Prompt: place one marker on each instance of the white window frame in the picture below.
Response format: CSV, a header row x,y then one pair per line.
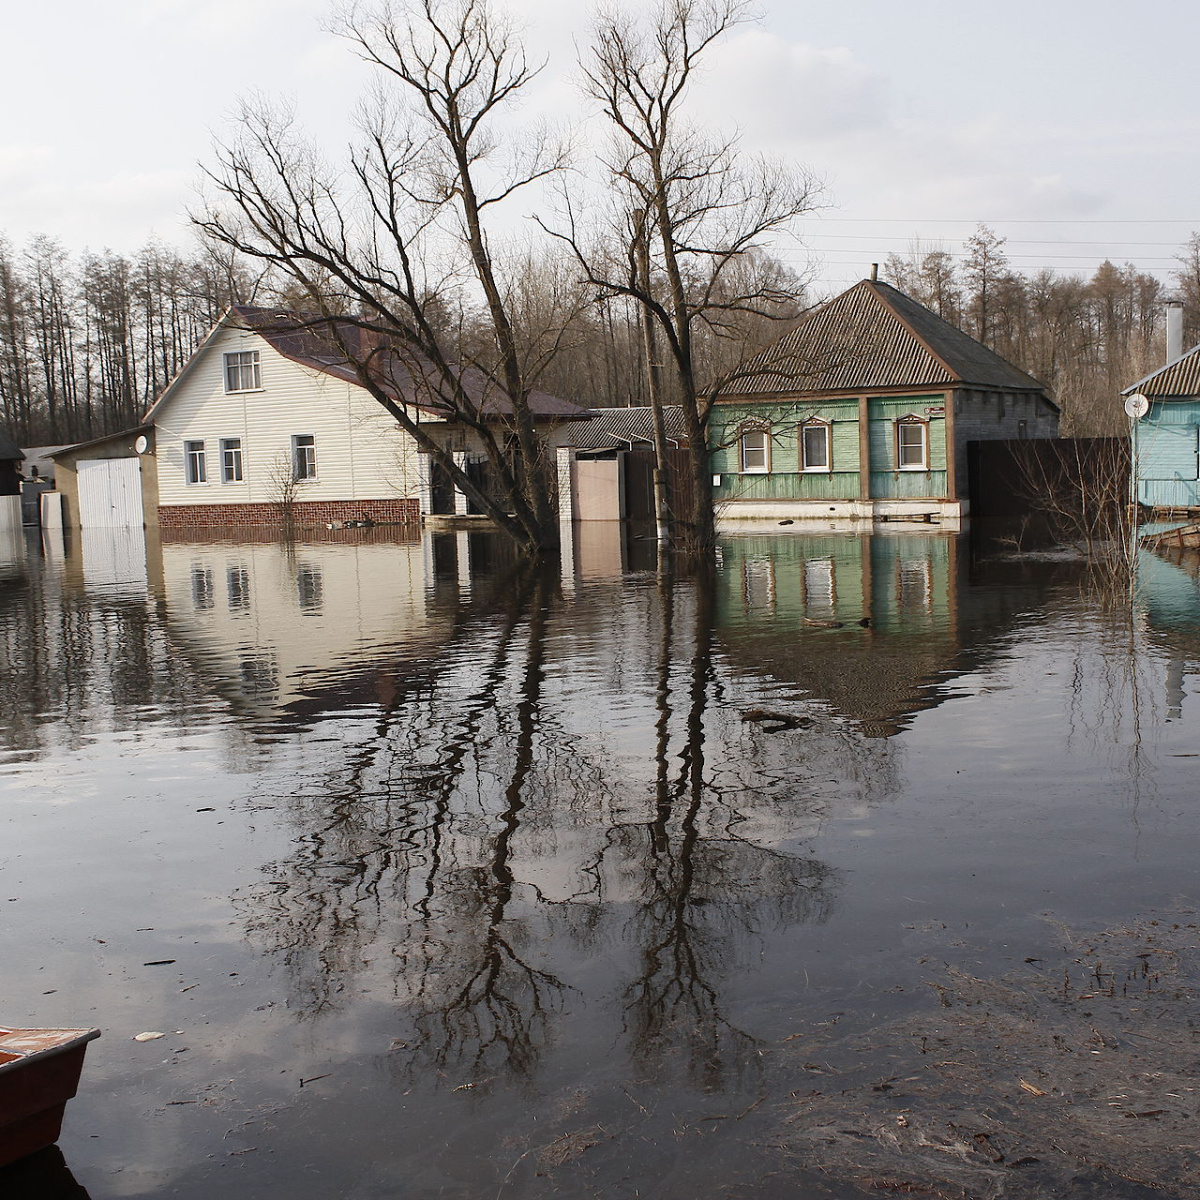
x,y
827,429
744,451
304,457
912,422
243,371
232,463
195,463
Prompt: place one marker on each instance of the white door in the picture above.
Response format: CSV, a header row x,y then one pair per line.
x,y
110,494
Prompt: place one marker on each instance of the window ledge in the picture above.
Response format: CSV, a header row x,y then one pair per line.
x,y
242,391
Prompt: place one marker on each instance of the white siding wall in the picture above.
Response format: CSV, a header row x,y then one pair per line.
x,y
361,455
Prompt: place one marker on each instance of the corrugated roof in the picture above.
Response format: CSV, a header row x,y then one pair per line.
x,y
404,375
874,337
619,427
1180,379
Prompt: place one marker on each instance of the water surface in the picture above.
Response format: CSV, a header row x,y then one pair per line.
x,y
447,877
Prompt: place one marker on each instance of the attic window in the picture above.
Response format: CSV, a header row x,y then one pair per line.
x,y
242,371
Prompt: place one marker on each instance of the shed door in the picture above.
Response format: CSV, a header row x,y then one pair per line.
x,y
110,494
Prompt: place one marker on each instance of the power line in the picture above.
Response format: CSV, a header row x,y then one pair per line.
x,y
1026,257
896,237
1192,221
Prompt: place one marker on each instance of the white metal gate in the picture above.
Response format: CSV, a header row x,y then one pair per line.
x,y
110,493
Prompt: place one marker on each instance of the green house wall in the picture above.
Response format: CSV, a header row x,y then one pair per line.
x,y
786,481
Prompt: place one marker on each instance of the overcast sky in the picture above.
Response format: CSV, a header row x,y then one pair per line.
x,y
1068,126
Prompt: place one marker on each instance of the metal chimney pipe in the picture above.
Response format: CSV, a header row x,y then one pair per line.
x,y
1174,331
874,272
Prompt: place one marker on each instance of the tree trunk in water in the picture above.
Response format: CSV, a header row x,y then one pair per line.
x,y
701,534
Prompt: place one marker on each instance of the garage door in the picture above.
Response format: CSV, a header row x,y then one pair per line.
x,y
110,494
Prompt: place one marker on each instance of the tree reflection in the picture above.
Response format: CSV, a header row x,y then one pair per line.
x,y
704,891
484,829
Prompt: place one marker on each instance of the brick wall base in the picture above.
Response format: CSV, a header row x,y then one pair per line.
x,y
311,514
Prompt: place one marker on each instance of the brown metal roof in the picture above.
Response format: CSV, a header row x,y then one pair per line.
x,y
404,375
874,337
621,427
1179,380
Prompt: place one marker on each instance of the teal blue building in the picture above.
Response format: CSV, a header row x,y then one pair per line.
x,y
1166,441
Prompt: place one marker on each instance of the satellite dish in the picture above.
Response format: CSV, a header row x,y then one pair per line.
x,y
1137,406
142,445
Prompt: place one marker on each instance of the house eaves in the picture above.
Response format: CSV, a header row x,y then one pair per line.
x,y
1179,380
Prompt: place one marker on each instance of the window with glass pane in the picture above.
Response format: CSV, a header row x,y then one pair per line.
x,y
242,372
304,456
194,467
814,447
754,450
912,444
231,460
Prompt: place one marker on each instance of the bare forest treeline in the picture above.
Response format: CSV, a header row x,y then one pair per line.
x,y
87,342
1085,339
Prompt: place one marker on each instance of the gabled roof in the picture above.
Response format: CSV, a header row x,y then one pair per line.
x,y
1179,379
403,375
9,451
874,337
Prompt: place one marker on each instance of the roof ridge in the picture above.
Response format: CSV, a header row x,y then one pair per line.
x,y
875,284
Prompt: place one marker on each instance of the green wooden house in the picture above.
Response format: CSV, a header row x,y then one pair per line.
x,y
865,410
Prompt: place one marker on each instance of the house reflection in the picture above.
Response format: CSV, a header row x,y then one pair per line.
x,y
274,624
868,625
1168,590
82,645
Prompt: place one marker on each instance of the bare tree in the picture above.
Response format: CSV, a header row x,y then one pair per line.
x,y
384,250
689,209
986,266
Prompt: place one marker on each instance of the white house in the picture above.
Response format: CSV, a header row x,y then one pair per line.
x,y
263,415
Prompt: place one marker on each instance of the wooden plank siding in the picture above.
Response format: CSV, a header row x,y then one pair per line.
x,y
887,481
360,454
1168,455
786,481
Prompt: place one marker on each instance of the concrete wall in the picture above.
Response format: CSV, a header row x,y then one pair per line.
x,y
981,415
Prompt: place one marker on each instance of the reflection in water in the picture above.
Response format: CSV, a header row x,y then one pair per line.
x,y
483,819
520,821
76,659
41,1176
704,889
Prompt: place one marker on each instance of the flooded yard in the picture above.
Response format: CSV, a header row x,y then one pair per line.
x,y
868,866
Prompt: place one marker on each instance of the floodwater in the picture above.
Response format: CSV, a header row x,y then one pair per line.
x,y
869,865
